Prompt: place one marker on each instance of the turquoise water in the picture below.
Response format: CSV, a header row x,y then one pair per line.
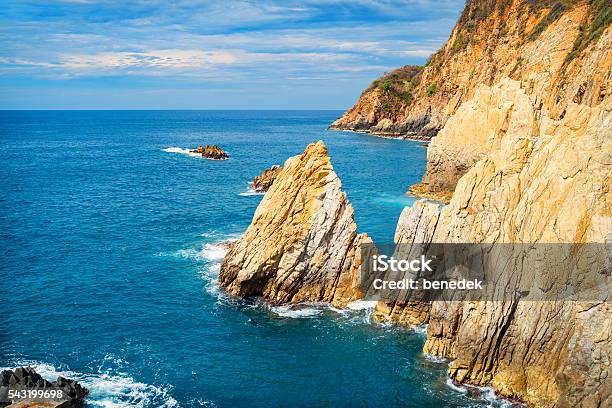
x,y
109,263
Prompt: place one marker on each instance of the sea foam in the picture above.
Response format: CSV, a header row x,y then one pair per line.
x,y
250,192
180,150
107,389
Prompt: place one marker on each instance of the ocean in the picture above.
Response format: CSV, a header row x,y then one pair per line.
x,y
109,250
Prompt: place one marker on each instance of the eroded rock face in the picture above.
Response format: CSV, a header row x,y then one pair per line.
x,y
302,245
531,41
415,230
478,126
541,180
263,181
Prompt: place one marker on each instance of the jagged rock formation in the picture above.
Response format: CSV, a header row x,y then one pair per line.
x,y
526,151
73,394
263,181
541,43
551,73
302,245
538,180
213,152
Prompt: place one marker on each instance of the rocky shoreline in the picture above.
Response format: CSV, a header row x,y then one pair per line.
x,y
385,135
64,392
521,154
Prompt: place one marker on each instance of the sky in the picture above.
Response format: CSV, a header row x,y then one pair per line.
x,y
226,54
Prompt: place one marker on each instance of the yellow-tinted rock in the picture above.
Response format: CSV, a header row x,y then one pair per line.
x,y
302,245
547,181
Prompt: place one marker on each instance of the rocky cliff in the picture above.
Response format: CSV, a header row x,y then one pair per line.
x,y
541,43
534,176
302,245
532,189
520,100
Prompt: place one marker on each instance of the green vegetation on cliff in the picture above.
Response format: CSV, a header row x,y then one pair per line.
x,y
601,17
398,87
548,11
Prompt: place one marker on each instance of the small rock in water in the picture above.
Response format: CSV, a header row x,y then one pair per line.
x,y
474,392
225,244
62,393
263,182
213,152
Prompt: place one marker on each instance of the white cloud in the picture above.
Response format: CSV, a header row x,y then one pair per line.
x,y
153,59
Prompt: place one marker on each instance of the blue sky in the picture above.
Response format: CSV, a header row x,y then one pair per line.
x,y
227,54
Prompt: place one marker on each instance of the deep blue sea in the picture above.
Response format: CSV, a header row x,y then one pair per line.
x,y
109,263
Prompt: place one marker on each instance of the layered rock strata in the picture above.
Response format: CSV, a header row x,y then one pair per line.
x,y
541,180
545,84
302,245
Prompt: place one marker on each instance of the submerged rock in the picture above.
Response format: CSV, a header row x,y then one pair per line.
x,y
72,393
213,152
262,182
302,245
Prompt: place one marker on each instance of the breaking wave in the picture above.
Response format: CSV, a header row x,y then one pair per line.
x,y
251,192
108,389
180,150
483,393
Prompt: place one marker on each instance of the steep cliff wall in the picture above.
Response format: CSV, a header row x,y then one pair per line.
x,y
548,81
527,155
547,185
542,43
302,245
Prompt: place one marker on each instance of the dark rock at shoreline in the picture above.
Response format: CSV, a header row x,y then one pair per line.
x,y
27,378
225,244
262,183
213,152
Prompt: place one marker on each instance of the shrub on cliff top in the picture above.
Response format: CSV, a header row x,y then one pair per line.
x,y
398,86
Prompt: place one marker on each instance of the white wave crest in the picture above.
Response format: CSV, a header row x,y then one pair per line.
x,y
208,252
180,150
110,390
251,192
362,305
355,312
484,393
434,359
459,388
210,276
214,252
296,311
